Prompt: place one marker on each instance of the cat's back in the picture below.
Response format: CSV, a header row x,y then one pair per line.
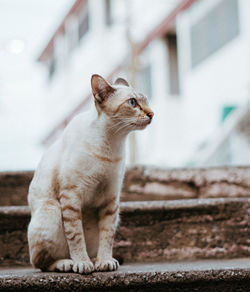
x,y
42,184
46,174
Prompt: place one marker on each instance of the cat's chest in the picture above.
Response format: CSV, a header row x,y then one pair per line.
x,y
93,171
96,176
98,187
102,163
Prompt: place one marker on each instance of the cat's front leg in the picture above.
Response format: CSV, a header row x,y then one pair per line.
x,y
72,221
108,220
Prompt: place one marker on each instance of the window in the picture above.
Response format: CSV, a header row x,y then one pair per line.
x,y
59,50
108,12
83,26
143,80
173,65
56,56
218,27
51,66
71,29
83,21
226,111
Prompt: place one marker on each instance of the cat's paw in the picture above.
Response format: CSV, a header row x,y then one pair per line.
x,y
106,264
64,265
83,267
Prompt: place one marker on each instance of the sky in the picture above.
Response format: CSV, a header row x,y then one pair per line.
x,y
25,28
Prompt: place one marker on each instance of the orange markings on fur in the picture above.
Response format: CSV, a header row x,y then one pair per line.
x,y
106,159
119,106
147,111
64,196
49,205
100,157
78,240
71,208
74,235
52,203
110,212
102,186
106,203
70,187
69,219
55,182
78,196
104,229
42,258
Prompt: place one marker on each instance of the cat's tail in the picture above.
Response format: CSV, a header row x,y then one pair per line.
x,y
47,242
41,258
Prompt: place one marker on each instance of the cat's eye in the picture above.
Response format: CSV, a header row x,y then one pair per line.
x,y
132,102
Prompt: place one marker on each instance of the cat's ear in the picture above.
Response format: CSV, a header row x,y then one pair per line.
x,y
121,81
101,88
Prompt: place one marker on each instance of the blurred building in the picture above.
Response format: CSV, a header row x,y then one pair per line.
x,y
215,79
191,57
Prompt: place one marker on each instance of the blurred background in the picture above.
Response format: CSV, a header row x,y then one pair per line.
x,y
190,57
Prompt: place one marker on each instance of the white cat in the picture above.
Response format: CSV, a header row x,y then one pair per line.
x,y
74,195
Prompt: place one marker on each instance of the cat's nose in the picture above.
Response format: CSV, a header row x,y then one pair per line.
x,y
150,115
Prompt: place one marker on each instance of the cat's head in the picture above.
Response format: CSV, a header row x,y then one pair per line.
x,y
127,109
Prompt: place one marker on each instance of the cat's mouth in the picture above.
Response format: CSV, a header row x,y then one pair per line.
x,y
141,124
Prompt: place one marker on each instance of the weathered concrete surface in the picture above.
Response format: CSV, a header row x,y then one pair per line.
x,y
149,183
155,231
13,235
14,187
216,275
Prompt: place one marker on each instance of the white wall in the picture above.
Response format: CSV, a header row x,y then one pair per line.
x,y
222,79
162,142
181,123
101,53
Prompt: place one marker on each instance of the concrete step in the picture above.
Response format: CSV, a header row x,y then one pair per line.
x,y
14,187
154,231
143,183
205,275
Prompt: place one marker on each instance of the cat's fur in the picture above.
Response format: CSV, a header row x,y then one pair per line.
x,y
74,195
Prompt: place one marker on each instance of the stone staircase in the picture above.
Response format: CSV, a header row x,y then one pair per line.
x,y
186,229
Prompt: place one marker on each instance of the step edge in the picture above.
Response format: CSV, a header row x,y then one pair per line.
x,y
146,205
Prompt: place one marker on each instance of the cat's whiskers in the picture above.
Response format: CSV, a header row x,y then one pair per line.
x,y
115,125
125,125
120,124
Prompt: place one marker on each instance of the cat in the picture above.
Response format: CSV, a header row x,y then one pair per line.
x,y
74,194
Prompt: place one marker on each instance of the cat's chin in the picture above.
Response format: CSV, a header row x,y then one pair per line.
x,y
141,125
